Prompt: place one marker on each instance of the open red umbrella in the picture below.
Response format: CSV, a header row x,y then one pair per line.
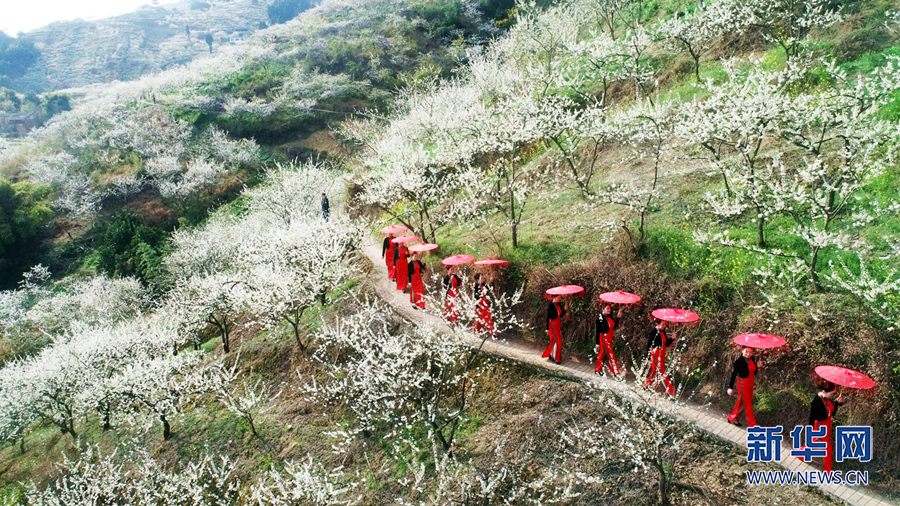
x,y
393,229
846,378
566,291
492,263
760,342
457,260
621,298
681,317
423,247
405,238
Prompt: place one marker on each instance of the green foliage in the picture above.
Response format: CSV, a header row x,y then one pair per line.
x,y
24,213
16,55
55,103
282,11
128,247
256,80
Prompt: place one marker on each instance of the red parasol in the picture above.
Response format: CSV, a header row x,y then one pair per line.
x,y
621,298
393,229
405,238
492,262
677,316
423,247
566,291
845,378
760,342
457,260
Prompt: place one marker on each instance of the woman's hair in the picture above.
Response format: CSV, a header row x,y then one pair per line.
x,y
478,277
827,386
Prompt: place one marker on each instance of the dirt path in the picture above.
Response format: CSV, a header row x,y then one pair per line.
x,y
704,419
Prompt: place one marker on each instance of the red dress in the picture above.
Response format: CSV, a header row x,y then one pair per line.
x,y
554,326
605,342
451,284
658,344
821,414
417,292
400,269
389,258
744,390
483,320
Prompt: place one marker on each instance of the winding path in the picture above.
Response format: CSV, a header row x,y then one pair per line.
x,y
575,367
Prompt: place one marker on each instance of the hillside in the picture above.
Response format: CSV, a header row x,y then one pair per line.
x,y
124,48
202,329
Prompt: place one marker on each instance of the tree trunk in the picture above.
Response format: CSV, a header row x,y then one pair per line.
x,y
106,422
760,229
167,429
814,271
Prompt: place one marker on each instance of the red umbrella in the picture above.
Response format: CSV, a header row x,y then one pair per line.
x,y
492,262
625,299
405,238
457,260
677,316
393,229
760,342
845,378
423,247
566,291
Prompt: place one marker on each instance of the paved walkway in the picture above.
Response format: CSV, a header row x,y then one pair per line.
x,y
702,418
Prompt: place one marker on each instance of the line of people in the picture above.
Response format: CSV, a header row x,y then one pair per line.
x,y
406,269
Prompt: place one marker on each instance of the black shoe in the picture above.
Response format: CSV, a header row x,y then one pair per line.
x,y
735,423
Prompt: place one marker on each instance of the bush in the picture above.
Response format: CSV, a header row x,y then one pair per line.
x,y
128,247
282,11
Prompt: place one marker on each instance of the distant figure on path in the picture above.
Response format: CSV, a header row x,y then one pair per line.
x,y
657,342
417,288
744,371
451,284
325,206
606,324
555,312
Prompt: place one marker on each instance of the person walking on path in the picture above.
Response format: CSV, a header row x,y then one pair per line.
x,y
606,324
401,259
417,288
387,251
451,284
484,322
326,208
744,371
555,312
657,342
821,412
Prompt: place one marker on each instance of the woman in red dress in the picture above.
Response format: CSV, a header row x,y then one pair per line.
x,y
657,343
483,320
387,251
744,371
401,266
554,329
417,288
821,412
451,284
606,324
